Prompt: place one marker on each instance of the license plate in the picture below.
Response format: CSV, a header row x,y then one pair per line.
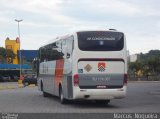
x,y
101,87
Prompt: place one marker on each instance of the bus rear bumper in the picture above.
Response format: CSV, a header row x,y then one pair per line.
x,y
99,94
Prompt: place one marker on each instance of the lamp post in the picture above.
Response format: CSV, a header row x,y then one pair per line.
x,y
18,21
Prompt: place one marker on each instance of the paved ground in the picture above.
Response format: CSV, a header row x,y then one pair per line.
x,y
8,85
142,97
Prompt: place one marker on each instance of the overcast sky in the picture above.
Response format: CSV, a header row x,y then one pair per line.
x,y
44,20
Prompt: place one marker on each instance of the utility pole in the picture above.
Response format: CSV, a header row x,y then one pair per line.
x,y
18,21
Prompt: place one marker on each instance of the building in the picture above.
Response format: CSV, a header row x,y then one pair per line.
x,y
28,54
22,63
13,45
133,58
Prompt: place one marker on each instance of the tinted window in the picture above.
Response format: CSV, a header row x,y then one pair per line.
x,y
100,41
69,43
51,52
67,46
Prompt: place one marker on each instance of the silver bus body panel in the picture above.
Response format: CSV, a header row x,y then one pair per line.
x,y
71,66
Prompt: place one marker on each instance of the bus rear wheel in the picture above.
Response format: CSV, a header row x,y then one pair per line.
x,y
102,102
61,96
44,93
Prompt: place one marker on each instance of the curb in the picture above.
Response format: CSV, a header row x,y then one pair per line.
x,y
7,87
15,87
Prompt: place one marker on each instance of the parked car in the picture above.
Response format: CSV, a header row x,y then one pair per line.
x,y
29,79
14,78
1,78
5,78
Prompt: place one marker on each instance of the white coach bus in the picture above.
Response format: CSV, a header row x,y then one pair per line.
x,y
87,65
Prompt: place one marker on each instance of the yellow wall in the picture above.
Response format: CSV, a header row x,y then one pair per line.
x,y
14,45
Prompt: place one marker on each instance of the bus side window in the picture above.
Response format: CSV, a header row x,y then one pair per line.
x,y
57,51
64,48
69,42
42,54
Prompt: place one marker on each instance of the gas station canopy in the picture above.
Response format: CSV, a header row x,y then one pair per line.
x,y
14,66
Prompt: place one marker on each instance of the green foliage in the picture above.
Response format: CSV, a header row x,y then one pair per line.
x,y
2,59
147,64
2,52
135,67
6,54
9,53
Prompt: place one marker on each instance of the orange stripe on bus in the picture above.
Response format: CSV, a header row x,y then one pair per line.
x,y
59,71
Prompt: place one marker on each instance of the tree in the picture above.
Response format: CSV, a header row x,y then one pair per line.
x,y
147,64
6,55
154,65
2,59
135,67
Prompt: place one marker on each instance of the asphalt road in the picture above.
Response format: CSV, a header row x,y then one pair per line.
x,y
142,97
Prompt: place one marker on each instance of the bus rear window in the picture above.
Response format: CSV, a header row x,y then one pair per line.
x,y
100,41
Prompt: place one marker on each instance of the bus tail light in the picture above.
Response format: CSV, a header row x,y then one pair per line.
x,y
125,79
75,80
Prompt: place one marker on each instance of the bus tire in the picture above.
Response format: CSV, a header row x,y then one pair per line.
x,y
102,102
61,96
45,94
41,88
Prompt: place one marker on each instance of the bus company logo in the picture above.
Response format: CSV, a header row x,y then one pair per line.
x,y
101,66
88,67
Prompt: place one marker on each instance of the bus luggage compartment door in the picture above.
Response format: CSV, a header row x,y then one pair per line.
x,y
101,74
